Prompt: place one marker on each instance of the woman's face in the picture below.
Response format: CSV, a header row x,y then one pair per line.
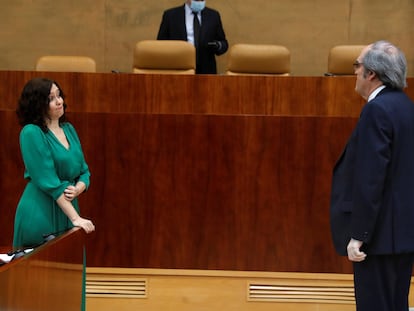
x,y
55,103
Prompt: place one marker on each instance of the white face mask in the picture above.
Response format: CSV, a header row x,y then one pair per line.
x,y
197,6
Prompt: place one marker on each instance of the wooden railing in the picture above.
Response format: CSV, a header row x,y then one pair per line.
x,y
48,278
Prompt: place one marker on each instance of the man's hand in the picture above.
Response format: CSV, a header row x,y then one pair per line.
x,y
214,45
354,252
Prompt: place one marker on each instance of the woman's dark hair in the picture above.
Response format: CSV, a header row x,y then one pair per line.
x,y
33,104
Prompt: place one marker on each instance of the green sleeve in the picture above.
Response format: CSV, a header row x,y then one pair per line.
x,y
38,161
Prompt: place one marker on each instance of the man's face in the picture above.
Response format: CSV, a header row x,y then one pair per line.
x,y
362,83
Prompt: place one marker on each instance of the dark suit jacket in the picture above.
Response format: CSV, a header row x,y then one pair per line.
x,y
173,28
372,197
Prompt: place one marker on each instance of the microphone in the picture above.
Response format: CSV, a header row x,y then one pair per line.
x,y
24,250
19,252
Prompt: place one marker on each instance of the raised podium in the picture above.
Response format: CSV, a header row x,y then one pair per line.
x,y
48,278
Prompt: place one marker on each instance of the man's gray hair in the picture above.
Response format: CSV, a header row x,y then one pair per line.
x,y
388,62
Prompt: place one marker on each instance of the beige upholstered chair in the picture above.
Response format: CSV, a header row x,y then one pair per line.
x,y
66,64
258,59
164,56
341,58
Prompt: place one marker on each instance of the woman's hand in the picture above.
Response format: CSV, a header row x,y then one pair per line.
x,y
71,212
85,224
71,192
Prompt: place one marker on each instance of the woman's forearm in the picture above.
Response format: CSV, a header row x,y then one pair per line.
x,y
67,208
73,215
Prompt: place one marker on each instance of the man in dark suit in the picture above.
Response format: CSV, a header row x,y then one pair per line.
x,y
372,199
206,32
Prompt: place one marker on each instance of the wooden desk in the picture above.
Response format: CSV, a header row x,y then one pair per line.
x,y
199,94
49,278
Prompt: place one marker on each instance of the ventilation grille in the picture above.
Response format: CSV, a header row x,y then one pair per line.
x,y
297,293
116,287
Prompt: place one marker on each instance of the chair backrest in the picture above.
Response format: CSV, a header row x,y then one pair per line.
x,y
258,59
66,63
164,56
341,58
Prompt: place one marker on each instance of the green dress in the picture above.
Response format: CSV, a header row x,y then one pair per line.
x,y
49,168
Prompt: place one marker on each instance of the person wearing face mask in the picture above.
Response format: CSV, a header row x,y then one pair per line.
x,y
179,23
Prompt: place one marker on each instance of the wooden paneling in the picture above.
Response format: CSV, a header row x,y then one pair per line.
x,y
262,95
212,192
206,191
188,290
176,94
239,180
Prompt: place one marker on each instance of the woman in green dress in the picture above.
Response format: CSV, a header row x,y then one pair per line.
x,y
55,168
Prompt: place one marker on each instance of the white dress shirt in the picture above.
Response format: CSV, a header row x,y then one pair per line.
x,y
375,92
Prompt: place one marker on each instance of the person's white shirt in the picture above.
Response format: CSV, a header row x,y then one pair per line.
x,y
375,92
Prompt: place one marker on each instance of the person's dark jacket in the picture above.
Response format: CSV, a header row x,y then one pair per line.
x,y
372,197
173,28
